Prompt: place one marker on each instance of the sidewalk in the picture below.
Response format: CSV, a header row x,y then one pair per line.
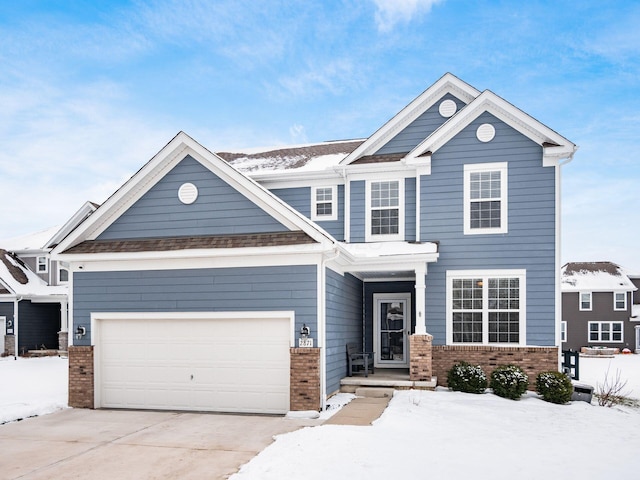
x,y
362,410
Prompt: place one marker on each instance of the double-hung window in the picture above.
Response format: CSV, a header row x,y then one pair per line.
x,y
619,300
385,210
485,198
42,266
585,301
605,332
324,201
486,307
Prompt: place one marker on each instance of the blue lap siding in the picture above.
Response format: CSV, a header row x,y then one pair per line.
x,y
344,323
219,209
529,243
197,290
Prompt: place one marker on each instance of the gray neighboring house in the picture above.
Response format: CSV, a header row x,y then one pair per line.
x,y
432,241
599,307
34,290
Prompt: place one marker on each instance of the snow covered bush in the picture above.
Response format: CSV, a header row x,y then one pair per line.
x,y
555,387
509,381
463,377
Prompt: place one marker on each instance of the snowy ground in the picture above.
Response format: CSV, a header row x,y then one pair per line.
x,y
32,386
421,433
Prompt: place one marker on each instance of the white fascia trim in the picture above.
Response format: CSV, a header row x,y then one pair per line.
x,y
286,178
161,164
448,83
76,219
488,101
214,253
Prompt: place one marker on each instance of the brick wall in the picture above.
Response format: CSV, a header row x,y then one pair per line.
x,y
81,377
9,345
532,360
305,379
421,361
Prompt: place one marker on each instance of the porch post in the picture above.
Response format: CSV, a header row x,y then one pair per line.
x,y
421,320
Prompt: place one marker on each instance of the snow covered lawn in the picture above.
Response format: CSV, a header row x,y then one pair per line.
x,y
445,434
32,386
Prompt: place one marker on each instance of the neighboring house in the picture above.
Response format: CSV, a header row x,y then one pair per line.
x,y
599,307
432,241
33,290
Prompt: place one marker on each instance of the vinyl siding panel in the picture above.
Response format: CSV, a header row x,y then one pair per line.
x,y
358,205
218,210
218,290
300,199
419,129
343,323
529,243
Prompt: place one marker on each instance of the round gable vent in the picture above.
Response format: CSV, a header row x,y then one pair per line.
x,y
447,108
188,193
485,132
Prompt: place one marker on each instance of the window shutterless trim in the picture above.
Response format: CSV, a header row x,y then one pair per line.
x,y
45,264
600,332
588,309
471,168
333,202
370,237
615,301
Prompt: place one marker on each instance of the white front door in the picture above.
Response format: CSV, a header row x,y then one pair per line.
x,y
392,322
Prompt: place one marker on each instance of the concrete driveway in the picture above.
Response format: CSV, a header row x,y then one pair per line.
x,y
108,444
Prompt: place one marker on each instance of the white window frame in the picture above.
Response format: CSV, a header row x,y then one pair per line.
x,y
479,168
369,237
315,202
485,275
45,264
60,281
563,331
590,340
615,301
580,294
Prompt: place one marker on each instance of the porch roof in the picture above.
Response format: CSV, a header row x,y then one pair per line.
x,y
390,258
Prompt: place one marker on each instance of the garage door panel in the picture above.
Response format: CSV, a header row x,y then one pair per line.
x,y
218,364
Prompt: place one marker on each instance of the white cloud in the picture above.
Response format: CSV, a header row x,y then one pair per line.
x,y
298,134
390,12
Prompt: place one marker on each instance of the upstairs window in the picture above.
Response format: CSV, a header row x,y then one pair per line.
x,y
485,198
585,301
324,203
385,205
619,301
42,265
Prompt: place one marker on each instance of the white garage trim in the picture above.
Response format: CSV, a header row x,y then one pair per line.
x,y
100,320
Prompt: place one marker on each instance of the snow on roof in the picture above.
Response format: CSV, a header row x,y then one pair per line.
x,y
317,156
382,249
21,281
31,241
595,277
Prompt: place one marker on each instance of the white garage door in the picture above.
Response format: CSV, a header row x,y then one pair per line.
x,y
203,364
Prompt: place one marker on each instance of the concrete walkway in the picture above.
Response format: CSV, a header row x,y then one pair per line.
x,y
108,444
364,409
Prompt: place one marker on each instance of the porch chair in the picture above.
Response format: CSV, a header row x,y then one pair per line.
x,y
358,361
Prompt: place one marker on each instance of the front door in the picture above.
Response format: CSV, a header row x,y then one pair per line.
x,y
392,322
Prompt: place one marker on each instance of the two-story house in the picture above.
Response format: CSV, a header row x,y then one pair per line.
x,y
33,289
598,307
432,241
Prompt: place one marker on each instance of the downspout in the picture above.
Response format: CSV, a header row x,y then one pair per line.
x,y
322,324
558,266
15,326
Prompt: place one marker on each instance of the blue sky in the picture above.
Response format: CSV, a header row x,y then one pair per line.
x,y
89,91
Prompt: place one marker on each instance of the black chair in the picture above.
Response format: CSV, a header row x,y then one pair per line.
x,y
359,361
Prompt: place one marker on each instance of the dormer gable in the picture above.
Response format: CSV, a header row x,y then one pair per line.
x,y
420,118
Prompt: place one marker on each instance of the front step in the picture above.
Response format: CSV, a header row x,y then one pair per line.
x,y
352,384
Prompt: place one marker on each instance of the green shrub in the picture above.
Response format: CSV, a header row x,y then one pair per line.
x,y
463,377
555,387
509,381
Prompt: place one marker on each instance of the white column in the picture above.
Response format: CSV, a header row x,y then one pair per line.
x,y
64,316
421,320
